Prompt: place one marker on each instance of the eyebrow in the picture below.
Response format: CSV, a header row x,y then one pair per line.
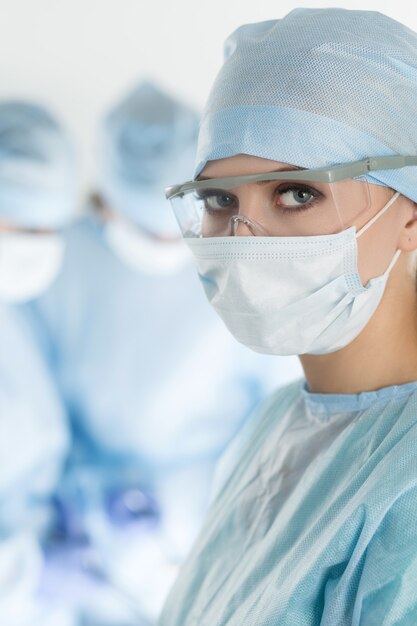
x,y
290,168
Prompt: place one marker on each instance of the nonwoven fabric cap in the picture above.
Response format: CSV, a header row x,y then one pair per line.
x,y
38,181
317,88
147,141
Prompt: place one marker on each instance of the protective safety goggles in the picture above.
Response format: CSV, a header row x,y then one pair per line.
x,y
284,203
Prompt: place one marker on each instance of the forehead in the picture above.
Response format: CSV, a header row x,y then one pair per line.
x,y
242,165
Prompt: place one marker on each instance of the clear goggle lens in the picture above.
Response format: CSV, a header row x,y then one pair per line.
x,y
284,208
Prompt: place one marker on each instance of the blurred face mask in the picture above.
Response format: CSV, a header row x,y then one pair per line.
x,y
143,253
290,295
28,264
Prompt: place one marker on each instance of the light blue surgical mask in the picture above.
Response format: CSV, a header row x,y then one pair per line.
x,y
290,295
144,253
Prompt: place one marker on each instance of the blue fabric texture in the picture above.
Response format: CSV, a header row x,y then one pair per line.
x,y
147,141
154,396
316,523
38,177
316,88
34,442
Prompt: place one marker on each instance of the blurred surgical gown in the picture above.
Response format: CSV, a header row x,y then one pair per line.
x,y
155,387
33,446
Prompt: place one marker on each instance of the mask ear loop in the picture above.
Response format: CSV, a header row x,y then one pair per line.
x,y
373,220
378,215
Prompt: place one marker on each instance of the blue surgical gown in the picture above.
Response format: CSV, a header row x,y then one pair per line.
x,y
34,437
34,442
316,523
155,387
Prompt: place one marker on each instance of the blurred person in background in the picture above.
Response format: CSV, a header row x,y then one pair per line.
x,y
37,198
154,385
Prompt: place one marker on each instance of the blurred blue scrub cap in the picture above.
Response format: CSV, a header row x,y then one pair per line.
x,y
37,168
314,89
148,141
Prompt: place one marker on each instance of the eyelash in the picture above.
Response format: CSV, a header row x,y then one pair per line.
x,y
281,189
204,194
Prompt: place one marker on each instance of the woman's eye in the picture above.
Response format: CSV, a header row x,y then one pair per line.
x,y
217,201
293,197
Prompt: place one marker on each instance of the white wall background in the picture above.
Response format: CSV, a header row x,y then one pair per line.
x,y
79,56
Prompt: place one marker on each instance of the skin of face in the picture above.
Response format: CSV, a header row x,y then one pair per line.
x,y
385,352
374,258
8,227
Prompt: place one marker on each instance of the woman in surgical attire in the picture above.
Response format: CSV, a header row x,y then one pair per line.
x,y
302,217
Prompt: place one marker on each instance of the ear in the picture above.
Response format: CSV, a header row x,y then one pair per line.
x,y
408,238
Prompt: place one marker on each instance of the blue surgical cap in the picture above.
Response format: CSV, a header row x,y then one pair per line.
x,y
314,89
148,141
37,167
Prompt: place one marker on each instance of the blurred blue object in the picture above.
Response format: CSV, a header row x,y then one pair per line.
x,y
129,505
154,385
36,192
33,435
154,392
37,167
146,142
29,264
33,446
37,197
21,563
